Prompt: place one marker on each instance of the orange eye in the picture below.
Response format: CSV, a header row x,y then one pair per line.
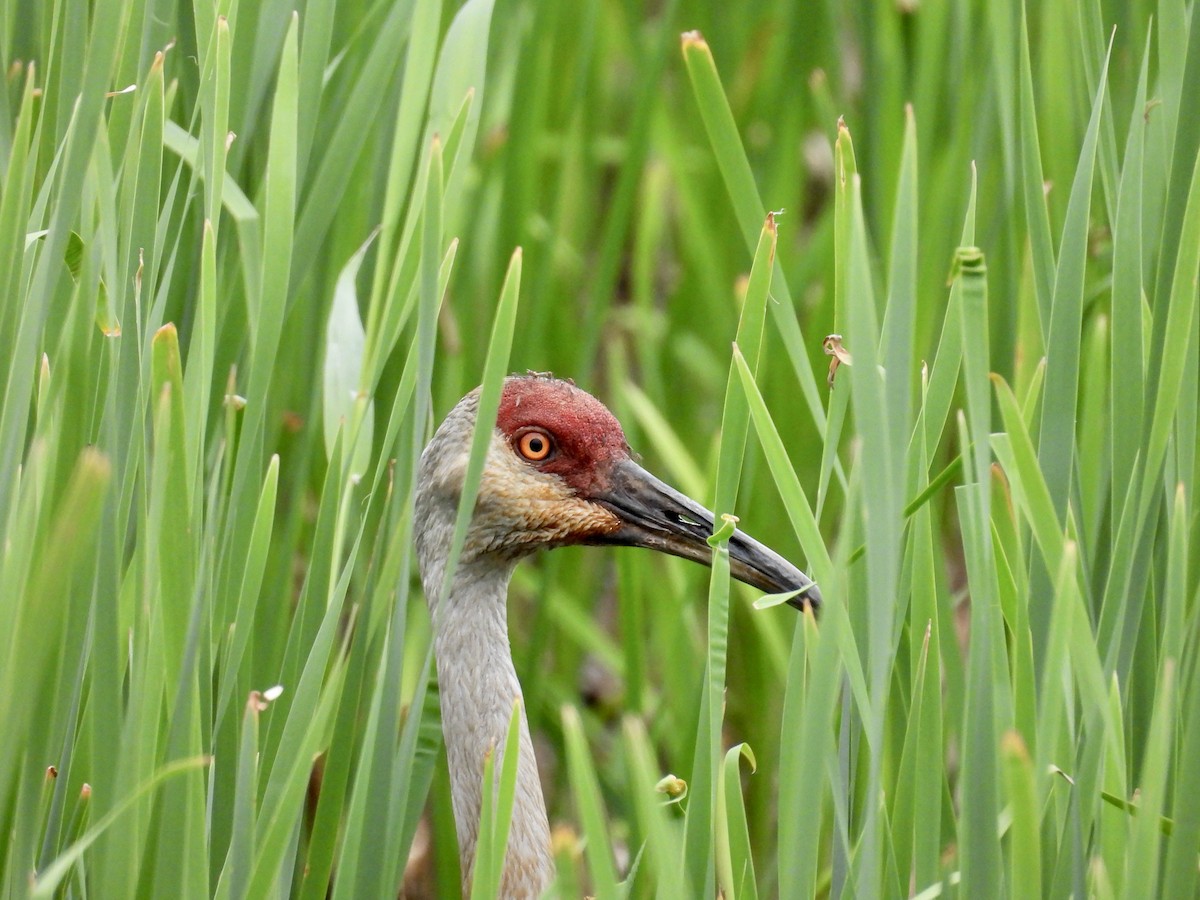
x,y
535,446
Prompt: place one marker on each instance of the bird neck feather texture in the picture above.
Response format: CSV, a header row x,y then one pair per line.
x,y
478,686
476,677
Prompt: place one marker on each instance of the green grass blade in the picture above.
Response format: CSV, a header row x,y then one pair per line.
x,y
241,844
1128,368
743,193
586,791
1025,858
899,320
1143,856
252,579
660,830
1056,440
1033,182
345,404
1167,370
735,865
489,404
50,878
734,425
496,813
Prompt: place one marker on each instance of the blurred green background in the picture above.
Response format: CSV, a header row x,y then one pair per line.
x,y
213,406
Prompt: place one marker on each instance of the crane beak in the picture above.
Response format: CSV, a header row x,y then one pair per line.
x,y
655,515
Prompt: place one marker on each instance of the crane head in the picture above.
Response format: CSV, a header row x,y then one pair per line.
x,y
559,471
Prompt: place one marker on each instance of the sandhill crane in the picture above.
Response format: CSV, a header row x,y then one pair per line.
x,y
558,472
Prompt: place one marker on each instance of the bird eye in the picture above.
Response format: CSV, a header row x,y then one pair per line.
x,y
535,446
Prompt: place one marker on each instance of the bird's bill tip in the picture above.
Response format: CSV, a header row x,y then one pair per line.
x,y
656,516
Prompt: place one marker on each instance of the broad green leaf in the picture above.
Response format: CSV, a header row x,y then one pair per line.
x,y
345,404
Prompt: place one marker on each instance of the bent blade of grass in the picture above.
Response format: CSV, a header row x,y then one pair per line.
x,y
735,863
232,199
972,273
981,736
49,879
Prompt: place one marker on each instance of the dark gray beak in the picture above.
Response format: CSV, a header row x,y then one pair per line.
x,y
655,515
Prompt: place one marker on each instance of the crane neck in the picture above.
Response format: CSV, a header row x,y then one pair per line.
x,y
478,685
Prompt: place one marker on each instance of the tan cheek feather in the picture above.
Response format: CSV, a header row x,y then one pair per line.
x,y
537,507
